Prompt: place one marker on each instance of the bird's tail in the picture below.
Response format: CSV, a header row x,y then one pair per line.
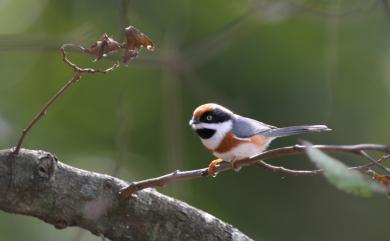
x,y
294,130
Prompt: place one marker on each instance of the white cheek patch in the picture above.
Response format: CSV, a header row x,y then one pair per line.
x,y
220,131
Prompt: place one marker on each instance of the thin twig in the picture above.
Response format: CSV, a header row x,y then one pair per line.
x,y
293,172
376,162
78,73
43,111
256,160
288,171
77,69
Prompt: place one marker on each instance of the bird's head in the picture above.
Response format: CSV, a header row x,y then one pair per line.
x,y
211,120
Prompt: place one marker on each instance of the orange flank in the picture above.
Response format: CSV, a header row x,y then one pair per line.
x,y
259,141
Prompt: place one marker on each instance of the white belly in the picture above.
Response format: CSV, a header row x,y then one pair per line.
x,y
241,151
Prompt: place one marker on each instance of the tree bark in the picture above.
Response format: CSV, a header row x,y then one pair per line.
x,y
35,183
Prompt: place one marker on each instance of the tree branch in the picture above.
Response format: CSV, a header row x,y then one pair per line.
x,y
258,160
34,183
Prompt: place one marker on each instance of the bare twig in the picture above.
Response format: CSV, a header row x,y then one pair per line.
x,y
293,172
77,69
376,162
78,73
38,116
257,160
288,171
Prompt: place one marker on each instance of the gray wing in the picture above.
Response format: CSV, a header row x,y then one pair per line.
x,y
244,127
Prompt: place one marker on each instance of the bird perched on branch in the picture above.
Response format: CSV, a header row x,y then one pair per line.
x,y
232,137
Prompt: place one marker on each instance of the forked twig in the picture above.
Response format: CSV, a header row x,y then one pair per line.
x,y
135,41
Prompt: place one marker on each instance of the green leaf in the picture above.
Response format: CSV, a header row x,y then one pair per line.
x,y
345,179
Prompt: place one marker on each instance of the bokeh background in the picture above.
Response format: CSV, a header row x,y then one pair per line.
x,y
282,62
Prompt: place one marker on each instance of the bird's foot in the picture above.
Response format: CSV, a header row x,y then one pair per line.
x,y
212,166
234,165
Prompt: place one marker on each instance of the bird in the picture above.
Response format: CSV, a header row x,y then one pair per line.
x,y
231,137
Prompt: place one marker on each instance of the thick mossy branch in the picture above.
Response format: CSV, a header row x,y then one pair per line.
x,y
35,183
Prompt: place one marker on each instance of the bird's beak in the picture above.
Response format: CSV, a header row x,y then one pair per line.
x,y
193,122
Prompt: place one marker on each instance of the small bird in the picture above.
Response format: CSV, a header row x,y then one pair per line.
x,y
231,137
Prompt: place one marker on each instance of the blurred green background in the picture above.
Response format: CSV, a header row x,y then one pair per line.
x,y
282,62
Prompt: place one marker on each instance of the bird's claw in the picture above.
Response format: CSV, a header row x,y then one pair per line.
x,y
212,166
235,167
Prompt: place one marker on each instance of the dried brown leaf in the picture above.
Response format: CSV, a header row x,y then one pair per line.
x,y
382,179
103,46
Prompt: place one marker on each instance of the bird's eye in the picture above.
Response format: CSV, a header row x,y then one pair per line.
x,y
209,117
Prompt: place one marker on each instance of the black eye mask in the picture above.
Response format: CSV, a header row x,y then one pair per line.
x,y
215,116
205,133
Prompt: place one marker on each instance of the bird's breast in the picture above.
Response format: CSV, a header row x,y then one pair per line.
x,y
232,147
229,142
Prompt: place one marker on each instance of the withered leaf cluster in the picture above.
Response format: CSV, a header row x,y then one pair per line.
x,y
134,42
382,179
